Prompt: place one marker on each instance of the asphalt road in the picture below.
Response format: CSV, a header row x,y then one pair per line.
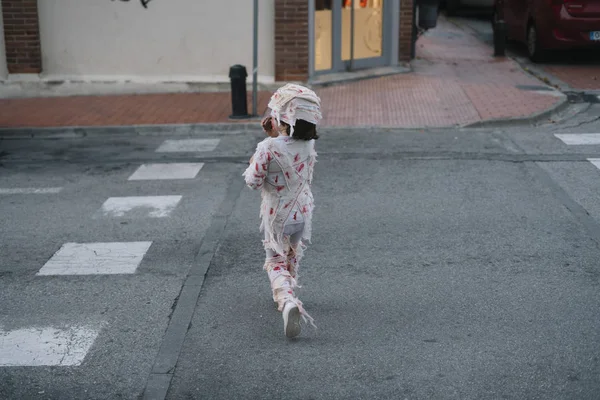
x,y
445,264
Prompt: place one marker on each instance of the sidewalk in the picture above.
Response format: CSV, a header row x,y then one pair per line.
x,y
576,77
456,81
566,70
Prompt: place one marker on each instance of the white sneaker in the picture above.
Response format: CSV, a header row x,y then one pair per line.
x,y
291,320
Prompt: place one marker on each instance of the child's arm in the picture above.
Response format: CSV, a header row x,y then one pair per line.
x,y
256,172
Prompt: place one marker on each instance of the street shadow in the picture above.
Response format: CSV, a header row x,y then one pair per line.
x,y
470,12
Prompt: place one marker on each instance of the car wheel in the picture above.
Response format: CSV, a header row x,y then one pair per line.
x,y
534,49
452,7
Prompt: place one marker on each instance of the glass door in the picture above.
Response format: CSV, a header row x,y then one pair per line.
x,y
362,33
323,35
351,34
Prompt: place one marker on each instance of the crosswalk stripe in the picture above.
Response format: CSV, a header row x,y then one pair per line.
x,y
166,171
34,347
595,161
579,139
96,259
49,190
154,206
188,145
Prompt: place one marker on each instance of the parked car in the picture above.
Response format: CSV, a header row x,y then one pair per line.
x,y
545,25
452,6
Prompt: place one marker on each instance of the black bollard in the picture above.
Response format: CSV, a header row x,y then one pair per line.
x,y
499,38
414,34
239,98
428,13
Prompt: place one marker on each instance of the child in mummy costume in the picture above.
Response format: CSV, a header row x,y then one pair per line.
x,y
282,168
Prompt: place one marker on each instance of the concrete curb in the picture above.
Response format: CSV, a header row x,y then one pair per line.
x,y
509,122
141,130
208,129
540,74
547,77
173,130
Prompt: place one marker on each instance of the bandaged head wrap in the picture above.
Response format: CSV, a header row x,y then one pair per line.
x,y
293,102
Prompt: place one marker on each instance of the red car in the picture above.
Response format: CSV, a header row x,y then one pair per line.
x,y
551,24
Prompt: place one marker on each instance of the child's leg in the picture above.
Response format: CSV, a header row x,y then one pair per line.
x,y
282,268
295,253
294,229
282,283
279,268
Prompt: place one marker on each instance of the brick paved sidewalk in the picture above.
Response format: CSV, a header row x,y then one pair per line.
x,y
577,77
455,81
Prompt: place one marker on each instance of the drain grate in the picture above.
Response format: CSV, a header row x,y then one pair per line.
x,y
582,97
534,88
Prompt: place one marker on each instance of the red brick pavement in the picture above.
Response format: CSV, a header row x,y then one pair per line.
x,y
455,81
143,109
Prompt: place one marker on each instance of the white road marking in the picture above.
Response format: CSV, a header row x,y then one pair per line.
x,y
578,139
166,171
50,190
188,145
96,259
156,206
595,161
34,347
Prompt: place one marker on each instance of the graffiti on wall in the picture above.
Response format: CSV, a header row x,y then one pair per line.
x,y
143,2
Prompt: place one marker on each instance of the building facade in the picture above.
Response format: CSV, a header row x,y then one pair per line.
x,y
197,41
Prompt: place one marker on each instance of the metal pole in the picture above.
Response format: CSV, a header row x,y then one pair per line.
x,y
255,61
352,36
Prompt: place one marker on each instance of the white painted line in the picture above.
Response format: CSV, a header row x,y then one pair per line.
x,y
35,347
166,171
151,206
188,145
595,161
578,139
96,259
50,190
